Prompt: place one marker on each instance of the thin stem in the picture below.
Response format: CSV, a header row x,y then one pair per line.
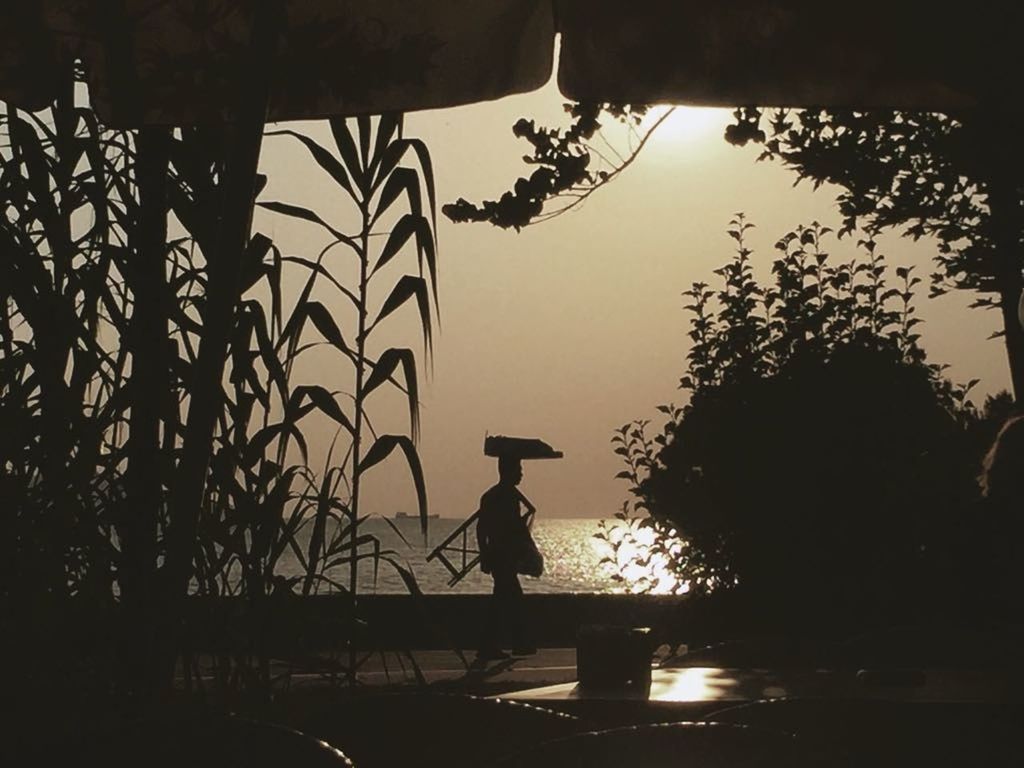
x,y
360,361
580,198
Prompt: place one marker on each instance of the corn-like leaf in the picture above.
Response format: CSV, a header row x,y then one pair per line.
x,y
354,545
324,402
407,287
299,212
407,576
274,281
293,545
316,539
387,126
401,180
423,155
323,158
273,505
385,369
426,251
364,127
341,588
324,323
427,169
397,531
190,212
389,160
347,148
381,449
289,530
37,162
253,267
268,356
404,229
258,443
319,270
292,330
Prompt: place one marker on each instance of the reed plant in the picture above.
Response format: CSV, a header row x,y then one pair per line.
x,y
65,375
114,284
383,177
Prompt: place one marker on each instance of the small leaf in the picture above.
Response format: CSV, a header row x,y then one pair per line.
x,y
298,212
401,180
258,443
324,323
324,402
364,128
404,229
347,147
324,159
387,125
381,450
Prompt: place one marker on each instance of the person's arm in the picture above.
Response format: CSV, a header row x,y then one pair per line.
x,y
530,509
483,539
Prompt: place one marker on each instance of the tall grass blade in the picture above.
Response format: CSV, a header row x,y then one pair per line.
x,y
382,448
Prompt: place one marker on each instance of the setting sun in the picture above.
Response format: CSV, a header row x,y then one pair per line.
x,y
685,124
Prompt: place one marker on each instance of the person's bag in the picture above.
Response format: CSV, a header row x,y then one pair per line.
x,y
531,561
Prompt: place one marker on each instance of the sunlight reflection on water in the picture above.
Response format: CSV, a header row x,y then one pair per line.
x,y
693,684
572,560
642,568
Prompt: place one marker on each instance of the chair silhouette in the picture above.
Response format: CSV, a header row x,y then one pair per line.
x,y
689,745
381,730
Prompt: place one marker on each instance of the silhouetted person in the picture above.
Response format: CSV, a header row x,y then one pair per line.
x,y
502,536
1002,485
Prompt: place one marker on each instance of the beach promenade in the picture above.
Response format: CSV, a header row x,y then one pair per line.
x,y
444,668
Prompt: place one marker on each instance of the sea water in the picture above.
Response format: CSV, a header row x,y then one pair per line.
x,y
571,559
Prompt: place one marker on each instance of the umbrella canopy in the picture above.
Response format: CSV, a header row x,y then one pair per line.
x,y
874,53
178,62
175,62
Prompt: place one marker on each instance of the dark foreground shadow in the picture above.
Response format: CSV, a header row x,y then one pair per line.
x,y
669,746
429,730
207,742
890,733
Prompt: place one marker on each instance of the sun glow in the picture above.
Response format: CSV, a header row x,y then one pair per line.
x,y
684,124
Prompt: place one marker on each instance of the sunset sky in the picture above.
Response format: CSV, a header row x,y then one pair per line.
x,y
573,327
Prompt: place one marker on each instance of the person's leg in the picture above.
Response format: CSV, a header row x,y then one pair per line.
x,y
517,625
494,618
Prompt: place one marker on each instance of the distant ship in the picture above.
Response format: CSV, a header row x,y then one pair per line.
x,y
407,516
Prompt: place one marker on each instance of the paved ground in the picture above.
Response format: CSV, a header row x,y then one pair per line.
x,y
547,666
446,669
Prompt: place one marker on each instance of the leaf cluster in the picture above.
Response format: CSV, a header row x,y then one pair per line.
x,y
570,166
925,173
813,306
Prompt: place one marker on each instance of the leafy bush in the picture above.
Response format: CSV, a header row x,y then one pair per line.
x,y
821,459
